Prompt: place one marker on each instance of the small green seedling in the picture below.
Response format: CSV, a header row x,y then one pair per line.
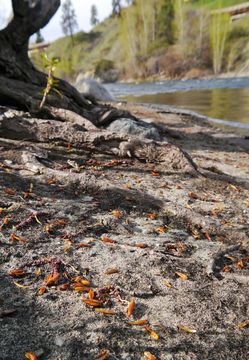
x,y
52,83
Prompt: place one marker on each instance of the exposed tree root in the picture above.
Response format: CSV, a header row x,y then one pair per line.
x,y
96,140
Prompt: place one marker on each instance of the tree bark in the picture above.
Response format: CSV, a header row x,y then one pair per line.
x,y
21,82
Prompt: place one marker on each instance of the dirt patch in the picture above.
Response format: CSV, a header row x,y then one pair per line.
x,y
175,243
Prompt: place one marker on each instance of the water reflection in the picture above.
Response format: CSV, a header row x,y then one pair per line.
x,y
227,104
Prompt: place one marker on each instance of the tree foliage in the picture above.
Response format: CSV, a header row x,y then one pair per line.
x,y
68,20
94,15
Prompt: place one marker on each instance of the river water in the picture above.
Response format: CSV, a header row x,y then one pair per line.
x,y
225,99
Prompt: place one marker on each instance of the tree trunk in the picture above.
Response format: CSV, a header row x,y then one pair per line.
x,y
21,83
21,88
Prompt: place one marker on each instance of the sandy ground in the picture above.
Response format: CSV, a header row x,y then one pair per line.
x,y
171,247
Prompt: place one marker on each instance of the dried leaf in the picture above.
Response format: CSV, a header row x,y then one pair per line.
x,y
227,269
54,225
152,333
81,288
187,206
51,182
82,245
243,324
192,195
182,276
63,287
38,272
9,191
111,271
14,237
140,322
105,311
152,216
31,356
168,284
155,173
118,214
207,236
68,244
161,230
149,356
21,285
186,329
195,233
52,279
41,291
106,239
85,282
91,294
5,220
104,354
233,187
141,245
131,307
17,272
93,303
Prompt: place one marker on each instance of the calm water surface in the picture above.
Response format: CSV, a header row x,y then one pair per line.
x,y
226,99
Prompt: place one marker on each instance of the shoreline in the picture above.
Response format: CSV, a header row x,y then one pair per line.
x,y
175,245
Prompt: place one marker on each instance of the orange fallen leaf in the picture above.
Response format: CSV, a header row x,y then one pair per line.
x,y
207,236
131,307
41,291
106,239
91,294
17,272
54,225
227,269
152,333
182,276
31,356
141,245
93,303
5,220
14,237
85,282
152,216
9,191
192,195
104,354
51,182
168,284
52,279
63,287
161,230
118,214
105,311
81,245
149,356
140,322
186,329
155,173
243,324
111,271
81,288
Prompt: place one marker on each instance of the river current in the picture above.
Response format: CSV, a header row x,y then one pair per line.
x,y
219,99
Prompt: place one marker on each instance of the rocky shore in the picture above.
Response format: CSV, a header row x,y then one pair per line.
x,y
142,262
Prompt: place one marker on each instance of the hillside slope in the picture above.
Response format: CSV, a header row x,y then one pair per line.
x,y
137,44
